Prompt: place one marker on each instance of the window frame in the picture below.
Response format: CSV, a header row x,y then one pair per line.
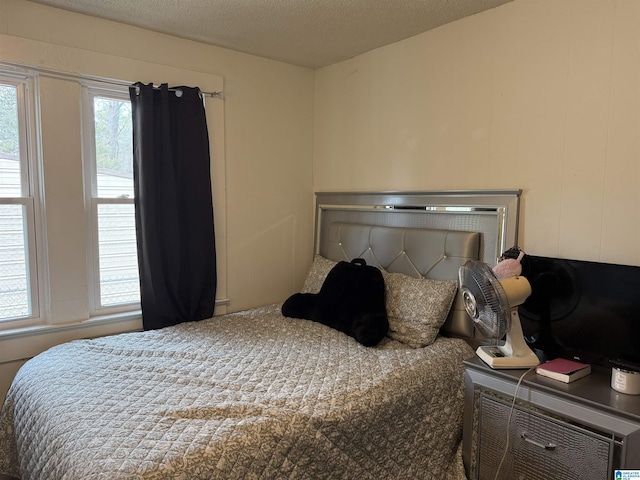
x,y
26,83
91,90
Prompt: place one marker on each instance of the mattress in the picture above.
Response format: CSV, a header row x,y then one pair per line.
x,y
240,396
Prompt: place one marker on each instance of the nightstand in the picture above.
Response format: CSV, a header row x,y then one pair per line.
x,y
582,430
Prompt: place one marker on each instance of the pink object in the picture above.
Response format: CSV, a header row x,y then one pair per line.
x,y
509,267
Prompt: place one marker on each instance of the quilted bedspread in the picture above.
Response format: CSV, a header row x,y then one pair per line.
x,y
241,396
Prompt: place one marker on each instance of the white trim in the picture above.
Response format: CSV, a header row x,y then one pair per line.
x,y
90,212
93,79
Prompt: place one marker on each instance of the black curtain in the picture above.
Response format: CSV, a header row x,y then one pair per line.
x,y
173,205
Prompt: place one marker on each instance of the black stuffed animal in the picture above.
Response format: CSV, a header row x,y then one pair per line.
x,y
351,300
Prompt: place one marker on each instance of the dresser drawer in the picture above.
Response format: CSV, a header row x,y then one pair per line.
x,y
540,448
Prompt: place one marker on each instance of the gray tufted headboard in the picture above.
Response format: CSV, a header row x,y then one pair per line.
x,y
422,234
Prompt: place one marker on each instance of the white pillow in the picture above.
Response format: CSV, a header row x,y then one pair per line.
x,y
315,278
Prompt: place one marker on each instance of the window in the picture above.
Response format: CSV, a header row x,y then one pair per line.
x,y
108,152
18,260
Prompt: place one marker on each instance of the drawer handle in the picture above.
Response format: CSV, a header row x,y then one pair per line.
x,y
548,446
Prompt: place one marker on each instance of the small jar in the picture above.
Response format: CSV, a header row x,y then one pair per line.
x,y
625,381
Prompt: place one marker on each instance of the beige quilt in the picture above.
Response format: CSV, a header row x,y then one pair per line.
x,y
242,396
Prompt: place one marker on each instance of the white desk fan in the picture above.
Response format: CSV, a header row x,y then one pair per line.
x,y
492,304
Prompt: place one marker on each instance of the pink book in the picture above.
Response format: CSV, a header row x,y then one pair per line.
x,y
563,370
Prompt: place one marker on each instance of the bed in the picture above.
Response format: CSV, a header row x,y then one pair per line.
x,y
257,395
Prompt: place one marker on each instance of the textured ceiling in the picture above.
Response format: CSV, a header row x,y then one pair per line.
x,y
309,33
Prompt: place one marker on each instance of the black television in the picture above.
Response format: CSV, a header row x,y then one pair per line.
x,y
588,311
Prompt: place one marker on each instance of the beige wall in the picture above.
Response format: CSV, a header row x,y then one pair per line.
x,y
262,165
536,94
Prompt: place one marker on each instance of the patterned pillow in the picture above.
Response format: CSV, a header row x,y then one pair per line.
x,y
417,307
318,272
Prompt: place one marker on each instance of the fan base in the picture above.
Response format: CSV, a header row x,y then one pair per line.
x,y
496,357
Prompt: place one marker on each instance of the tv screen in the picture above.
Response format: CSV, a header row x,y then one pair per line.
x,y
583,310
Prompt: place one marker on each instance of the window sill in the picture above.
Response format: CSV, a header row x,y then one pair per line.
x,y
24,343
89,323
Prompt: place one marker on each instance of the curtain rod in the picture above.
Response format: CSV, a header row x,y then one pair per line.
x,y
90,78
179,92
